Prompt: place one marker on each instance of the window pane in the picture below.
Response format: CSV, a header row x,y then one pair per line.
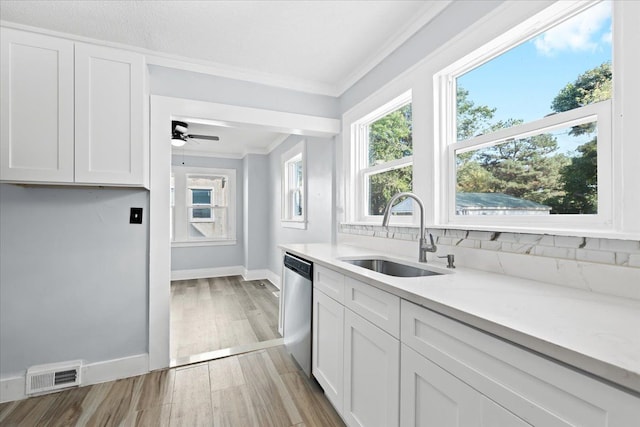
x,y
390,138
549,173
383,185
208,190
201,213
217,228
564,68
201,197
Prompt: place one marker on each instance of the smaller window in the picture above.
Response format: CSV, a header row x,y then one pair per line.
x,y
384,159
207,214
293,187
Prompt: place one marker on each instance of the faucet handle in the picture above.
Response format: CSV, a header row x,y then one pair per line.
x,y
431,238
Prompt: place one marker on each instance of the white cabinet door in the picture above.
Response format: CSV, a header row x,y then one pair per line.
x,y
432,397
110,138
37,107
371,374
494,415
328,345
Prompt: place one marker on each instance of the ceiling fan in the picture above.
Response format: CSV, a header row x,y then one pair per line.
x,y
180,135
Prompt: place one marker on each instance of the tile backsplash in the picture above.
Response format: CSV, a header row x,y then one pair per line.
x,y
623,253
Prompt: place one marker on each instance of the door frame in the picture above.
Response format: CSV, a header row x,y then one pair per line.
x,y
162,110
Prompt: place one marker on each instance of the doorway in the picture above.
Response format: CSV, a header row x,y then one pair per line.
x,y
163,111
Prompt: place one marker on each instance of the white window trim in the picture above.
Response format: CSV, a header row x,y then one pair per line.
x,y
181,215
445,115
298,222
360,169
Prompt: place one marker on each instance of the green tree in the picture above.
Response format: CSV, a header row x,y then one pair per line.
x,y
580,177
390,138
471,119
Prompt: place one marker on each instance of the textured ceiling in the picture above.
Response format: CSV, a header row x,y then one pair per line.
x,y
319,43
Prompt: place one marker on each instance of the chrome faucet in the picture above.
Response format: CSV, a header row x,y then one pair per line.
x,y
423,247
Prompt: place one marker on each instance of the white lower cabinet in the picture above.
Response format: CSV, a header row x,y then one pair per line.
x,y
432,397
328,344
371,374
443,373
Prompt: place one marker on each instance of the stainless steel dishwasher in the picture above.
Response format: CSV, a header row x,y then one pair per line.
x,y
298,294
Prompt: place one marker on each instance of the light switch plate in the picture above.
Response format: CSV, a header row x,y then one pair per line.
x,y
135,217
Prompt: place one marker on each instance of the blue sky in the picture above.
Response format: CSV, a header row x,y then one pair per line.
x,y
522,82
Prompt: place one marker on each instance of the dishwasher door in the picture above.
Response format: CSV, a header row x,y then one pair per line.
x,y
298,295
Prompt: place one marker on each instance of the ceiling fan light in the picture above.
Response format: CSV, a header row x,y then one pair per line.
x,y
177,141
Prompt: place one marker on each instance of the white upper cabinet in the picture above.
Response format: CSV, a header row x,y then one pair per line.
x,y
72,113
109,116
37,107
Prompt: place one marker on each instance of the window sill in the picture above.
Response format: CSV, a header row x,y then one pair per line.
x,y
197,243
300,225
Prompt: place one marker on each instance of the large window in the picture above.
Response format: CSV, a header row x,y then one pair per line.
x,y
528,126
203,205
384,158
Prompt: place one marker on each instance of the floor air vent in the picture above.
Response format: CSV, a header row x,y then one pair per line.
x,y
51,377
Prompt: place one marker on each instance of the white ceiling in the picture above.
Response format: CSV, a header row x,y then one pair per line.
x,y
320,46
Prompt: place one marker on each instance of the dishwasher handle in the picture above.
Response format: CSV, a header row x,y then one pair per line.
x,y
299,265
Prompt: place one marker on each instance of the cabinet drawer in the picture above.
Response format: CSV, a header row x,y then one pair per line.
x,y
329,282
379,307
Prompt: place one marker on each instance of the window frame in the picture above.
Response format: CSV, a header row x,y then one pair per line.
x,y
182,216
288,158
361,170
445,98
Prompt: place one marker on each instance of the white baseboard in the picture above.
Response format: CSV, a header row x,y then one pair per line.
x,y
274,278
255,274
93,373
12,389
205,273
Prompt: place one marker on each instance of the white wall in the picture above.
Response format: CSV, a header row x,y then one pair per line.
x,y
209,257
256,211
320,197
73,275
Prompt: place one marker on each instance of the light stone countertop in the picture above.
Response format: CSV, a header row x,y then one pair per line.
x,y
596,333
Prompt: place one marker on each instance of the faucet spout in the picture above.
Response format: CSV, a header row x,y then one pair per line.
x,y
424,246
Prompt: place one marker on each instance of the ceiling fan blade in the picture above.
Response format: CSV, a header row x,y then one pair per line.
x,y
208,137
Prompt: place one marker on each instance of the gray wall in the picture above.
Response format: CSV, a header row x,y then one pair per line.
x,y
197,257
202,87
73,275
320,203
256,211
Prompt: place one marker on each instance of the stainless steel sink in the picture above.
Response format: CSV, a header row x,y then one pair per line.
x,y
392,268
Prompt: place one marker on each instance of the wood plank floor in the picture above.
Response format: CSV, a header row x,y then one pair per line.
x,y
222,312
261,388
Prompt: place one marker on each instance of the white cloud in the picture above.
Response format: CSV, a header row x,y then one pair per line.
x,y
577,33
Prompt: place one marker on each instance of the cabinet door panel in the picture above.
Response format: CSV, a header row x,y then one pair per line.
x,y
37,107
328,345
432,397
110,145
372,374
